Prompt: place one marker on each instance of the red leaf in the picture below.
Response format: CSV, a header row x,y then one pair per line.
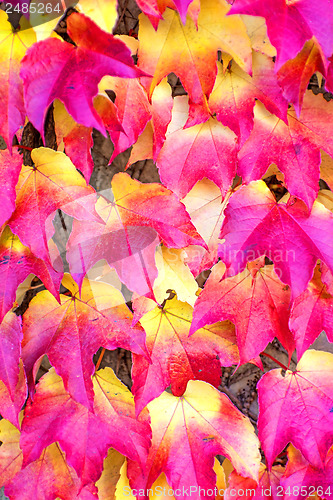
x,y
300,473
294,148
266,489
199,425
177,358
127,241
71,332
290,23
53,182
297,408
10,168
16,263
54,69
311,313
188,155
84,436
256,225
255,301
13,388
234,94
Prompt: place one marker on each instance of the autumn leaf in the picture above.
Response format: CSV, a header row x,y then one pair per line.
x,y
311,313
292,24
198,425
177,358
72,331
13,47
133,112
234,93
295,148
52,183
296,407
300,472
190,51
256,225
102,12
295,74
13,387
255,301
205,205
127,240
55,416
53,69
10,167
16,263
267,487
110,476
207,150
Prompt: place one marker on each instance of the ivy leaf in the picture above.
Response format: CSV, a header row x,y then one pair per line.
x,y
295,74
188,155
255,301
205,205
13,47
72,331
198,425
297,408
13,387
190,51
10,168
294,148
177,358
53,69
234,93
267,487
292,24
53,182
16,263
311,313
293,239
127,240
300,472
55,416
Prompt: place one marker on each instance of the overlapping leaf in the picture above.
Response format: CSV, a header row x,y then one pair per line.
x,y
10,167
13,47
16,263
206,207
206,150
53,69
72,331
177,358
286,233
294,148
83,435
296,407
292,24
234,94
255,301
128,239
190,51
308,478
13,389
295,74
52,183
199,425
46,478
267,486
311,313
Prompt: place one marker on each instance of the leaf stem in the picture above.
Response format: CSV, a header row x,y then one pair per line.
x,y
22,147
100,359
273,359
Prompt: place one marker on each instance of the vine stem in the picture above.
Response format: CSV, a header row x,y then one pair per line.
x,y
22,147
273,359
100,359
